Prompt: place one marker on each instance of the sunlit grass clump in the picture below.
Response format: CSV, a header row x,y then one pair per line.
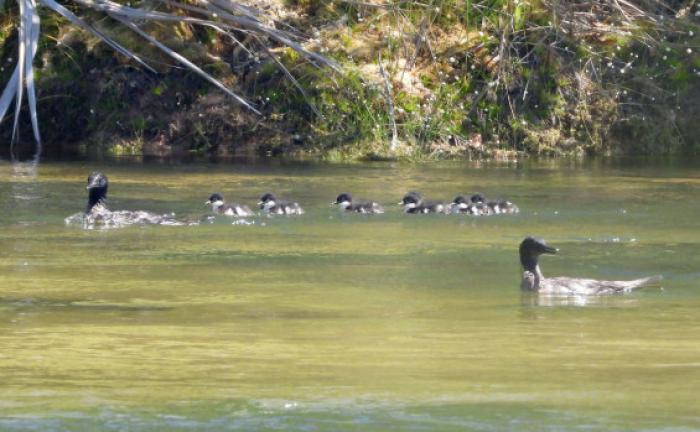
x,y
502,78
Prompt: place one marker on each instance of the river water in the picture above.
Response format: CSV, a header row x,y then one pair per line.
x,y
329,322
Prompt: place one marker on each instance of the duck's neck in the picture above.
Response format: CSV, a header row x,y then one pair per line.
x,y
538,277
95,196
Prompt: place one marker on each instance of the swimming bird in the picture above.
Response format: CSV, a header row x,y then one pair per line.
x,y
97,214
270,204
345,202
232,209
533,280
97,185
462,205
413,203
498,206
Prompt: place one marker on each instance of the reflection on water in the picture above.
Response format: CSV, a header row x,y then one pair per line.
x,y
550,300
23,191
334,321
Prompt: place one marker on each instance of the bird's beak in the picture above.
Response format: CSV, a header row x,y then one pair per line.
x,y
550,250
260,203
207,202
333,203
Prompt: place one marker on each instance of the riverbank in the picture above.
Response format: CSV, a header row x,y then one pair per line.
x,y
430,81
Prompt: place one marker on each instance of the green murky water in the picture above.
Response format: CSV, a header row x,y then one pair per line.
x,y
348,322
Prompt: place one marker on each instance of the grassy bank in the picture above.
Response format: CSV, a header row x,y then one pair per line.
x,y
440,79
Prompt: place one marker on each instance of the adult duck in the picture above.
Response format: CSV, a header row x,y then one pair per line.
x,y
97,214
533,280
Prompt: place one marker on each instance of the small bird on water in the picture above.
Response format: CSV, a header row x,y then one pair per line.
x,y
413,203
533,280
216,201
346,204
271,205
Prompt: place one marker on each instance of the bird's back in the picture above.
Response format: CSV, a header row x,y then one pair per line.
x,y
434,207
366,207
566,285
290,207
235,209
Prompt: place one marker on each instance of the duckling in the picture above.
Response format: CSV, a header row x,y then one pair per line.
x,y
97,214
461,205
413,203
345,202
533,280
498,206
233,209
270,204
480,205
505,207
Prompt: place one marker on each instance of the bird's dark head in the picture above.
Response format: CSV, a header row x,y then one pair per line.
x,y
97,180
215,197
411,200
460,199
268,197
97,185
530,250
267,200
343,198
477,198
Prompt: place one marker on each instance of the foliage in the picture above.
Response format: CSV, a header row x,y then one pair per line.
x,y
517,76
229,19
439,78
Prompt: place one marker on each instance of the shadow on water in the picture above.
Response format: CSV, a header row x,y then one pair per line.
x,y
236,312
33,303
